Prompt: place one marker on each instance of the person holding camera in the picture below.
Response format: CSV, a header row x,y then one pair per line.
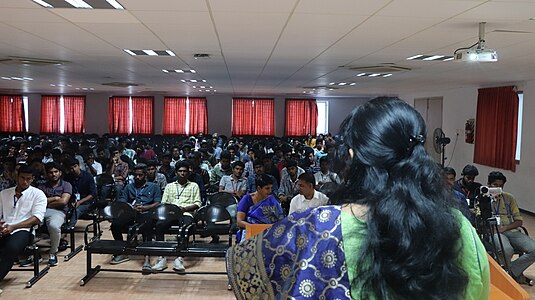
x,y
505,208
467,184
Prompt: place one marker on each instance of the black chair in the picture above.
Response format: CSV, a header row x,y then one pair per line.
x,y
33,250
212,220
230,203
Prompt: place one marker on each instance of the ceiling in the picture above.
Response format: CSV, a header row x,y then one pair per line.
x,y
259,47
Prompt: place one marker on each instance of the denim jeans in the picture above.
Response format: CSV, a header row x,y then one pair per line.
x,y
517,240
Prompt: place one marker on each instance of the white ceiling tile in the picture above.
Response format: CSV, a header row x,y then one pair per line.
x,y
252,6
493,10
108,16
341,7
125,36
8,15
164,5
427,8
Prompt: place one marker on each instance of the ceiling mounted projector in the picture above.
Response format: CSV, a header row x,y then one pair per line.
x,y
478,51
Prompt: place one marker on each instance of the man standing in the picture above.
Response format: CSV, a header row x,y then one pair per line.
x,y
308,197
58,193
21,207
506,209
83,188
142,196
234,184
186,195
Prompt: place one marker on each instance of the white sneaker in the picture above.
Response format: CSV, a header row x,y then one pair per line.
x,y
160,265
179,265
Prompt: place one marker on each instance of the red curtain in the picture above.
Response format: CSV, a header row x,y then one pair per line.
x,y
11,114
119,115
74,114
496,127
142,115
242,116
301,117
174,118
50,114
264,117
198,118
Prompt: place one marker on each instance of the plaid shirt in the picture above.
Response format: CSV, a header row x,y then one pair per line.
x,y
182,195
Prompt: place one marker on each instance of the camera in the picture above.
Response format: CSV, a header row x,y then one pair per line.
x,y
491,192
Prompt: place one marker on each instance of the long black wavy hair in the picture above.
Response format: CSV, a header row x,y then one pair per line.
x,y
411,249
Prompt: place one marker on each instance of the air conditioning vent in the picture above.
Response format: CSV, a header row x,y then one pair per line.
x,y
201,56
32,61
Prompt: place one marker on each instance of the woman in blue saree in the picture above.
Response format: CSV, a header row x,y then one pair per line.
x,y
393,234
260,207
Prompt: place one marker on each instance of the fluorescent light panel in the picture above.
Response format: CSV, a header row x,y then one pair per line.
x,y
78,3
150,52
178,71
115,4
43,3
433,57
83,4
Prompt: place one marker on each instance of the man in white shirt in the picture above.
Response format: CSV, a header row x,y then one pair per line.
x,y
21,207
308,197
234,184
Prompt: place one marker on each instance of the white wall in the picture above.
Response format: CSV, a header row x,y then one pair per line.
x,y
460,105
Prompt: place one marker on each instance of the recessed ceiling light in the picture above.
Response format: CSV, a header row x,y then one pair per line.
x,y
150,52
342,83
78,3
178,71
203,87
115,4
352,83
374,75
194,87
433,57
43,3
387,75
17,78
204,80
361,74
414,57
193,80
332,83
182,80
129,52
52,84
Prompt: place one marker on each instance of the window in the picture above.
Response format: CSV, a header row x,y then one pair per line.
x,y
131,115
185,115
323,116
253,117
13,109
301,117
496,127
62,114
519,126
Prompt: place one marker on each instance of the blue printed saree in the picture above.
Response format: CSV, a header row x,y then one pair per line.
x,y
301,257
267,211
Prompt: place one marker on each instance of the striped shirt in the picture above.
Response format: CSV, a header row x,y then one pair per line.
x,y
182,195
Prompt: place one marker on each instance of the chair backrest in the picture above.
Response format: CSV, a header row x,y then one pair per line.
x,y
166,212
104,179
119,211
213,214
222,199
328,188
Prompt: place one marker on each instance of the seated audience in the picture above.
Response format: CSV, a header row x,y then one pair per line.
x,y
119,171
377,244
142,196
221,169
460,198
21,207
174,155
288,187
92,165
234,184
58,194
506,209
186,195
324,175
167,168
259,169
308,197
467,185
83,188
259,207
154,176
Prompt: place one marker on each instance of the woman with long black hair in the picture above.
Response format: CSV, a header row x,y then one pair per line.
x,y
393,233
